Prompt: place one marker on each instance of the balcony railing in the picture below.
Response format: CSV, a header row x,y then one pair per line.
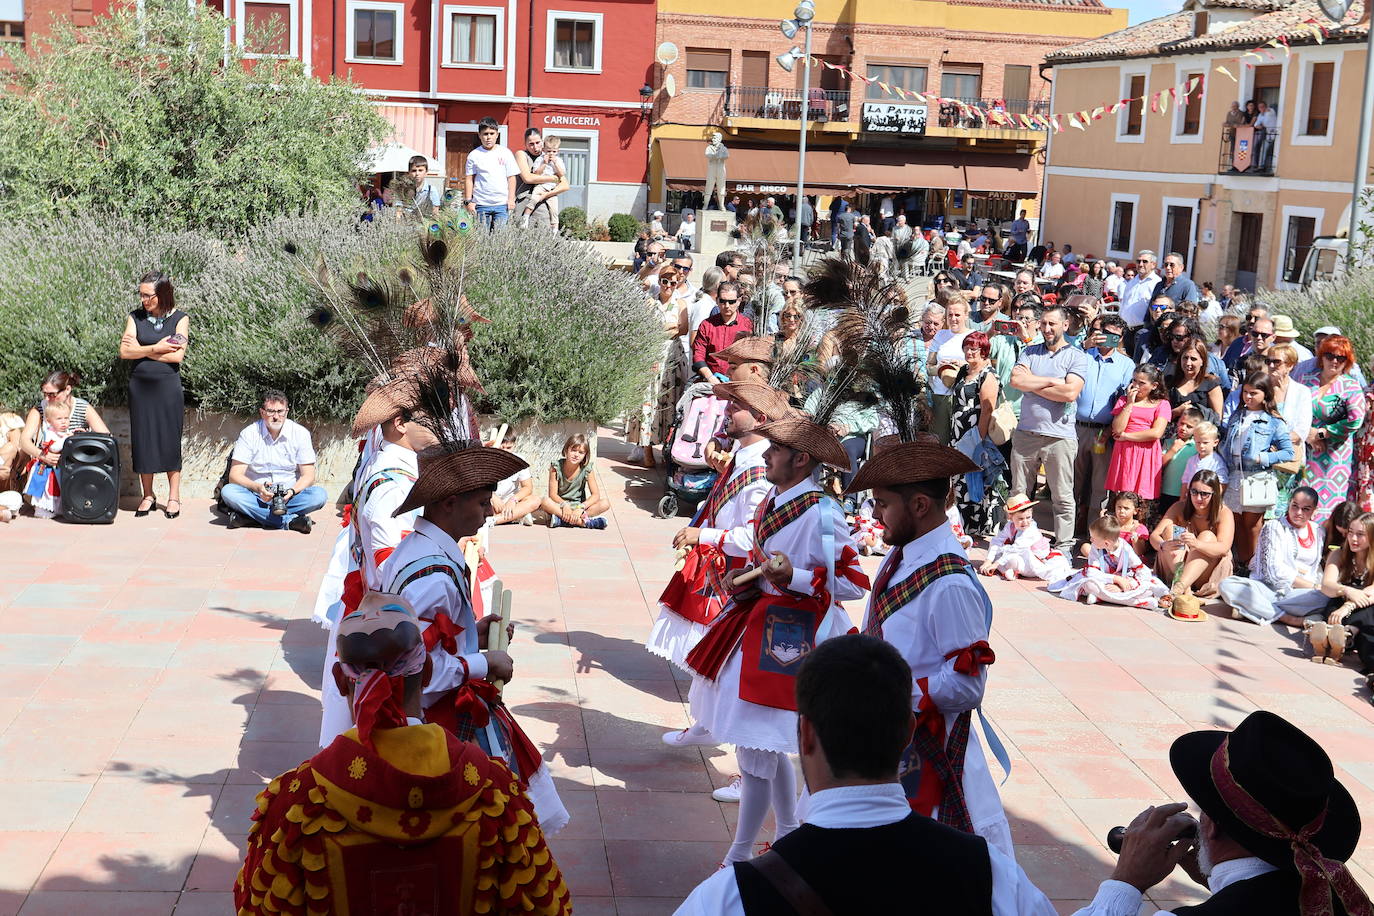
x,y
952,115
786,104
1264,153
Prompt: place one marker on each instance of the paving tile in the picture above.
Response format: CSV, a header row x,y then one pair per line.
x,y
23,856
217,862
584,866
129,861
105,902
654,815
43,805
131,805
663,869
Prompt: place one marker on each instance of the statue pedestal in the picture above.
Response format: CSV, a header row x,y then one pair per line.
x,y
713,235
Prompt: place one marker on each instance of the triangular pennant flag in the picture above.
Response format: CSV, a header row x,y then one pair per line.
x,y
1073,122
885,87
1228,73
1194,83
1098,112
1164,101
1026,122
1154,103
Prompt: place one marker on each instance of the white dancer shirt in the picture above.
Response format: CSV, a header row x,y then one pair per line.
x,y
947,616
1117,898
748,725
851,807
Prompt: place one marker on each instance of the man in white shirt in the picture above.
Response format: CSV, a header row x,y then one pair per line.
x,y
1116,279
1137,293
273,458
489,180
1266,125
876,855
1053,268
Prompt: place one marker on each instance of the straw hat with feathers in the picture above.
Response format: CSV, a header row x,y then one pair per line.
x,y
749,349
449,469
808,437
761,399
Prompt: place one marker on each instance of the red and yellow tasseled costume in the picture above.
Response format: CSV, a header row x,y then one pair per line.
x,y
424,823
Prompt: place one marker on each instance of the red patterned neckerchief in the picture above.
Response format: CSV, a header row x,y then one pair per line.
x,y
720,495
1321,876
773,518
884,605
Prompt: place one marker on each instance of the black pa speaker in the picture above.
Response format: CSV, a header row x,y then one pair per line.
x,y
88,473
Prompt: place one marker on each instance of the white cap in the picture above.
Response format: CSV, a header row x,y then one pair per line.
x,y
1326,331
658,213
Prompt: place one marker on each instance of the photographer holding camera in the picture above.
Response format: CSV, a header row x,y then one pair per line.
x,y
1275,832
272,472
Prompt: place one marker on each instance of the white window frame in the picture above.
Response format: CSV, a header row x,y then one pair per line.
x,y
495,11
241,23
1124,111
1288,212
1246,84
1134,201
1181,72
578,133
549,40
397,9
1163,249
1296,137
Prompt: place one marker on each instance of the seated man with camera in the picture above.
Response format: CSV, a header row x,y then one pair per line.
x,y
1275,832
272,472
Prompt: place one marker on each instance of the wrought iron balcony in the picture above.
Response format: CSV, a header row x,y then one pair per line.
x,y
1263,153
952,115
786,104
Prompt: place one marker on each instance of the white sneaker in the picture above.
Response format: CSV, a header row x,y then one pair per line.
x,y
728,793
689,737
528,520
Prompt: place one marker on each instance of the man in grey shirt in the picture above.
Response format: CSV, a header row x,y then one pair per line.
x,y
846,220
1050,376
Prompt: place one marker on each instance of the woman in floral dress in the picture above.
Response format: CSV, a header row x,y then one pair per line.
x,y
977,390
1338,412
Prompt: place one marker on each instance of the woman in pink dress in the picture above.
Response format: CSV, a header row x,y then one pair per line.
x,y
1139,419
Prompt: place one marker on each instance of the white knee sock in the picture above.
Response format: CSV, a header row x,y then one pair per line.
x,y
754,798
784,793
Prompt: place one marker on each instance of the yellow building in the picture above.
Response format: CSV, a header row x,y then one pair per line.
x,y
1240,205
872,146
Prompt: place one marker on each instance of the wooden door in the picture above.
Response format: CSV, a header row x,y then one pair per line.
x,y
1178,236
457,145
1249,228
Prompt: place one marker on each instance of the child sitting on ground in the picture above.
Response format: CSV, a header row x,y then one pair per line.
x,y
1176,455
514,499
548,163
574,497
42,488
1114,572
1205,439
956,521
867,531
1021,548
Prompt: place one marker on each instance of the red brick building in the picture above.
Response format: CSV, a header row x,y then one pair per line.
x,y
864,142
436,69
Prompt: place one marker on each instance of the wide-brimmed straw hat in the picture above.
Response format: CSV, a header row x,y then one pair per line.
x,y
809,438
387,399
895,464
1271,788
749,350
755,396
1284,329
446,471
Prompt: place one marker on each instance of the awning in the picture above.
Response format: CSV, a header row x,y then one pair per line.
x,y
393,157
853,170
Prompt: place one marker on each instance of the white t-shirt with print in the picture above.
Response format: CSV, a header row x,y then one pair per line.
x,y
491,170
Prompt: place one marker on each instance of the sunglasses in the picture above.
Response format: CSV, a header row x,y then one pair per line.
x,y
1334,357
1273,363
1181,336
1200,494
683,267
1259,336
727,301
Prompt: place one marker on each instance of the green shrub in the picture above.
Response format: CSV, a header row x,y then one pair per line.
x,y
568,339
1346,303
623,227
573,222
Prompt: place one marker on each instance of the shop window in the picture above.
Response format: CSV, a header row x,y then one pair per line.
x,y
574,42
707,69
962,81
912,79
267,29
473,37
1123,220
374,32
1319,81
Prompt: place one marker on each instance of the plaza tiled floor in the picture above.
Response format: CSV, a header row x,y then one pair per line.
x,y
154,674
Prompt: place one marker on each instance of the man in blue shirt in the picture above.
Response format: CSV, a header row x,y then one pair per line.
x,y
1105,377
1176,284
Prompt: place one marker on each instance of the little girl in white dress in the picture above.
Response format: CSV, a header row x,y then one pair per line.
x,y
1022,549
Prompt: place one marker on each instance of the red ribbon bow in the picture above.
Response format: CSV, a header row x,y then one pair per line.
x,y
378,702
442,631
475,699
971,659
1321,876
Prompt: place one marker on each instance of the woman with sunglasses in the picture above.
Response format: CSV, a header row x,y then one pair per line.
x,y
57,388
1193,543
1338,412
1295,404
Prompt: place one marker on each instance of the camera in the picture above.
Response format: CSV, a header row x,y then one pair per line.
x,y
279,492
1117,835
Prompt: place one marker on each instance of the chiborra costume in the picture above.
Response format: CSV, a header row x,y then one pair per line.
x,y
395,813
928,603
1095,581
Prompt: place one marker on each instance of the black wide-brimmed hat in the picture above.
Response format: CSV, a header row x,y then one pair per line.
x,y
1271,788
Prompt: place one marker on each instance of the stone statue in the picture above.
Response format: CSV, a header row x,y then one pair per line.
x,y
716,154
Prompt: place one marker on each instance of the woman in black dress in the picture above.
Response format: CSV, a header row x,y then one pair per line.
x,y
155,339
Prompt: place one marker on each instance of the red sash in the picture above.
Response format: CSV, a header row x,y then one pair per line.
x,y
696,592
471,706
780,631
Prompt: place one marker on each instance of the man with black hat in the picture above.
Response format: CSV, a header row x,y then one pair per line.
x,y
751,653
861,849
1275,833
928,603
718,540
395,811
454,488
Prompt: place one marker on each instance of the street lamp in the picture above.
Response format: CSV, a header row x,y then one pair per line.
x,y
646,105
802,16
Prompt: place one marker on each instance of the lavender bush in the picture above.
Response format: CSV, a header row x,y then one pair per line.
x,y
569,339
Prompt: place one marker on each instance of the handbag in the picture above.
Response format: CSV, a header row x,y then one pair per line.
x,y
1298,462
1259,490
1003,423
